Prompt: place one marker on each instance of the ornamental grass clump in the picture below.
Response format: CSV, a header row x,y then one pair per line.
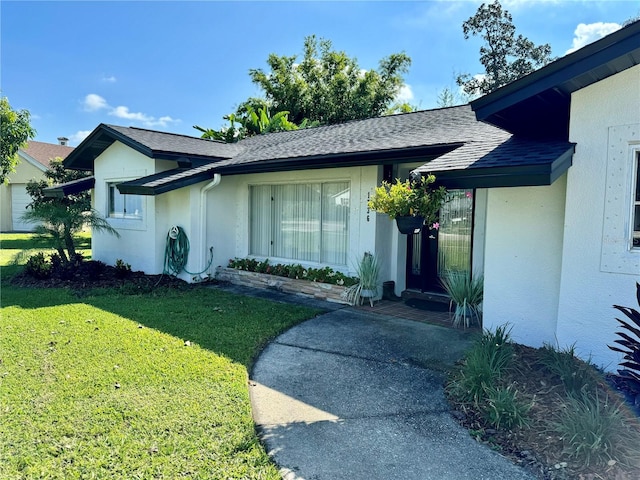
x,y
415,198
595,431
483,366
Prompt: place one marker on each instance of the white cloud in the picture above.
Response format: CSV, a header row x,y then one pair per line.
x,y
585,34
79,136
109,79
405,94
123,112
93,102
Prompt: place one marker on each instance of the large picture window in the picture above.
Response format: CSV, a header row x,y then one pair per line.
x,y
636,204
124,206
305,222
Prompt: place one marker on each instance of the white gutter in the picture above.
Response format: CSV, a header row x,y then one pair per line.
x,y
203,217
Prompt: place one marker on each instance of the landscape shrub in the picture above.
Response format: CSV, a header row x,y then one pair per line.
x,y
628,343
576,376
38,267
595,432
483,366
503,408
93,269
296,271
123,269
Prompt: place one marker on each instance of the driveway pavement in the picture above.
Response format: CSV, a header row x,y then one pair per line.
x,y
358,396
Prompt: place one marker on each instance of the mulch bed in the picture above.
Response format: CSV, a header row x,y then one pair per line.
x,y
538,448
108,277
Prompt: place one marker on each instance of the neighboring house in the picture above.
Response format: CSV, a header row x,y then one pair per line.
x,y
33,162
544,173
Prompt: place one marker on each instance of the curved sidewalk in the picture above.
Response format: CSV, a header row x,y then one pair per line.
x,y
359,396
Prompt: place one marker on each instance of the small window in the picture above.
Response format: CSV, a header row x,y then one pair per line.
x,y
636,204
124,206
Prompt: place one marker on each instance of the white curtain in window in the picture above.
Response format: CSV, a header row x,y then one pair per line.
x,y
260,220
303,222
296,221
336,198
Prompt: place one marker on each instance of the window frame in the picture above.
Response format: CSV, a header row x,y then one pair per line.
x,y
634,234
272,247
113,214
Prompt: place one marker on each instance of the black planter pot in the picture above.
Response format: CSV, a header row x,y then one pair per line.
x,y
409,225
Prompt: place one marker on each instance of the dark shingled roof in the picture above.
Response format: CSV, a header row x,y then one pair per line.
x,y
516,161
154,144
448,140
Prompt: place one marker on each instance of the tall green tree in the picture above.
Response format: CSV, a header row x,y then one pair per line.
x,y
505,56
327,86
15,132
62,218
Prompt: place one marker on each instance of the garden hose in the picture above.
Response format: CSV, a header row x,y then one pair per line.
x,y
176,253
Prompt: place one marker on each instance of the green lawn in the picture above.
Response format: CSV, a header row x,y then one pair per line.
x,y
106,385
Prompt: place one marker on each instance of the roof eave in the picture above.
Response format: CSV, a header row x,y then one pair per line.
x,y
70,188
143,185
513,176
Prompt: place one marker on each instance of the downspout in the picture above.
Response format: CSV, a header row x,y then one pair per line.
x,y
203,217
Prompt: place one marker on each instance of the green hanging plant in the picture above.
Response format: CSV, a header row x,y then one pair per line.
x,y
415,198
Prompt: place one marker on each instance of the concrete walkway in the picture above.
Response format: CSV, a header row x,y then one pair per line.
x,y
359,396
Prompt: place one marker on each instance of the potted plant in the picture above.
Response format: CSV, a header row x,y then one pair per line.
x,y
411,203
466,291
368,286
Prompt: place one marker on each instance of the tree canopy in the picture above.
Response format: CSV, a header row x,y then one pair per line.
x,y
328,86
324,87
505,56
15,131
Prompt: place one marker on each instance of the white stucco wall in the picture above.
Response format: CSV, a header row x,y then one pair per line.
x,y
227,212
522,261
599,269
137,244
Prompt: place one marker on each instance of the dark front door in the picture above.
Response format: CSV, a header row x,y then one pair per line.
x,y
433,253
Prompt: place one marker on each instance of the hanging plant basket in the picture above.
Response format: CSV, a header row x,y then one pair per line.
x,y
409,224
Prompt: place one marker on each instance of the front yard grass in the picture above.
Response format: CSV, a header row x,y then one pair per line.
x,y
101,384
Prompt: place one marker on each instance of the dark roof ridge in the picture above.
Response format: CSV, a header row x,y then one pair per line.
x,y
355,120
165,133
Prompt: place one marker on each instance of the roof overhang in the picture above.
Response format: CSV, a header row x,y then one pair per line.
x,y
521,176
166,181
70,188
537,105
514,163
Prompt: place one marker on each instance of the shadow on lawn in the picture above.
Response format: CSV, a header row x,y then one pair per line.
x,y
234,326
36,242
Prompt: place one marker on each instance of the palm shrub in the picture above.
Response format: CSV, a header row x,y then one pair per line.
x,y
467,292
629,374
62,218
368,272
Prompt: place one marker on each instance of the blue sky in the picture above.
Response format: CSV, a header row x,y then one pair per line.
x,y
171,65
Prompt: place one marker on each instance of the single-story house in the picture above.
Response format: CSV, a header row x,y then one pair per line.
x,y
545,175
33,162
